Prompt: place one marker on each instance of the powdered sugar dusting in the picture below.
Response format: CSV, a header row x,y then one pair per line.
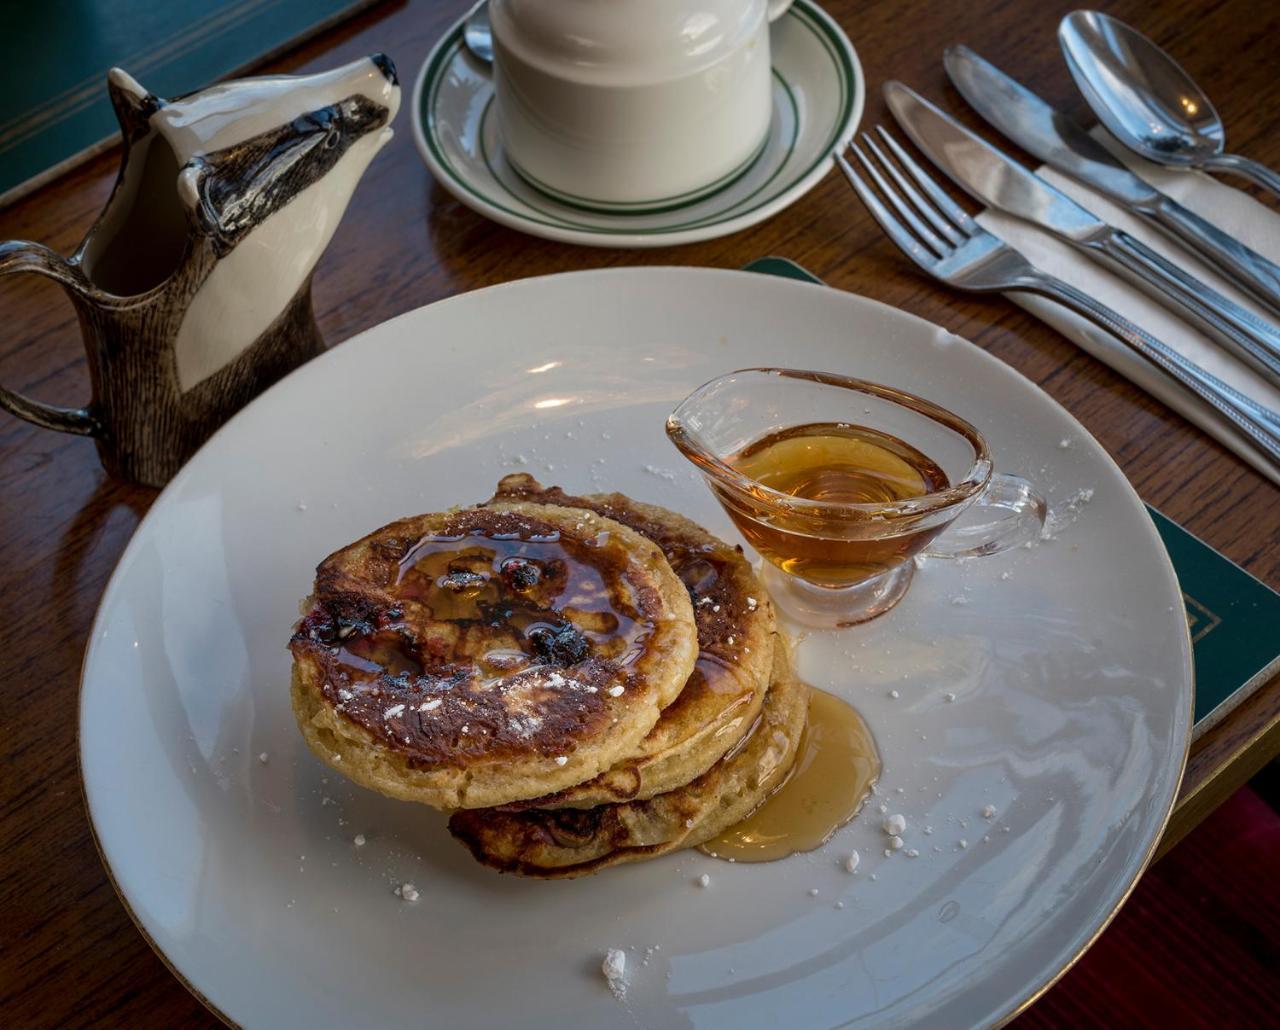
x,y
525,725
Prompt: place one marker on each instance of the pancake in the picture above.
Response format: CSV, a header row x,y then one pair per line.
x,y
571,842
735,639
480,656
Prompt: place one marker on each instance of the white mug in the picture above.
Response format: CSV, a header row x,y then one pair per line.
x,y
625,106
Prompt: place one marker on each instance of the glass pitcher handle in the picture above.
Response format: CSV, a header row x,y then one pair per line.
x,y
1009,512
20,256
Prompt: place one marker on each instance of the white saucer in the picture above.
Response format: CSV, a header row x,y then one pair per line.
x,y
1052,684
818,94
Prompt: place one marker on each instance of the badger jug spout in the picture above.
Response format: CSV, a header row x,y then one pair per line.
x,y
193,287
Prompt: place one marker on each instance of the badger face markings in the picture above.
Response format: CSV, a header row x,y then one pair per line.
x,y
241,185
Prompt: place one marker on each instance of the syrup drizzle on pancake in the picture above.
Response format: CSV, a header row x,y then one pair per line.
x,y
502,636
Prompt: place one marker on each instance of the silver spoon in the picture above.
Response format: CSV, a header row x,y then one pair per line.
x,y
1147,101
476,33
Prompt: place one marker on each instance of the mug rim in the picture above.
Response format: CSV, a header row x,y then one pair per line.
x,y
723,474
583,70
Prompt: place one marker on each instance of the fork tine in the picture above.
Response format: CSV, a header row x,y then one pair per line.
x,y
934,242
935,192
894,229
930,213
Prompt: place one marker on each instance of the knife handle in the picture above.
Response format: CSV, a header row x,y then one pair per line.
x,y
1260,425
1249,338
1247,268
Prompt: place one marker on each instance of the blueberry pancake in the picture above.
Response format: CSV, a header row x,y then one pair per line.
x,y
482,656
569,842
735,640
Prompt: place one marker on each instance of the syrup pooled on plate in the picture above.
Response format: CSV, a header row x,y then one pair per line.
x,y
832,463
835,768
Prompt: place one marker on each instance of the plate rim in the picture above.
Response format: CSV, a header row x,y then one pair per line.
x,y
845,128
997,1018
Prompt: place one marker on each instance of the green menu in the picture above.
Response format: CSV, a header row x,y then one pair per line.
x,y
56,55
1234,618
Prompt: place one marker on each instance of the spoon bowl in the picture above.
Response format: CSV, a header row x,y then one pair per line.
x,y
477,34
1146,100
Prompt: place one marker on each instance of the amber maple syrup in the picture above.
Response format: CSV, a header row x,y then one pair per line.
x,y
533,586
833,463
835,768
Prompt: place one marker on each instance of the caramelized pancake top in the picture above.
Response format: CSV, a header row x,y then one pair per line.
x,y
476,640
735,639
700,560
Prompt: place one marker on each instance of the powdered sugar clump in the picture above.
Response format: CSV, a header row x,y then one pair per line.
x,y
1064,514
614,968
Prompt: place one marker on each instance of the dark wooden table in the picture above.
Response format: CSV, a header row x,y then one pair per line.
x,y
68,953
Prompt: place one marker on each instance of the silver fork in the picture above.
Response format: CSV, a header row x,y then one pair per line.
x,y
944,241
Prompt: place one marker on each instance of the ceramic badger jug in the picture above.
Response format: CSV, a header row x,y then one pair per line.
x,y
193,287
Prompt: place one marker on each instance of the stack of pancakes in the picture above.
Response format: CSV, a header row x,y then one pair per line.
x,y
582,681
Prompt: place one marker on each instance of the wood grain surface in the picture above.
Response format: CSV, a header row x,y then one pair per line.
x,y
69,954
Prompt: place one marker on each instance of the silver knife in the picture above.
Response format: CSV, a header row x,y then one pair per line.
x,y
995,179
1056,140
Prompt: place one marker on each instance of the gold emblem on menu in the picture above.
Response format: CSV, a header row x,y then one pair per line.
x,y
1200,620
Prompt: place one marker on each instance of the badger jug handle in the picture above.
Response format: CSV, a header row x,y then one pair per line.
x,y
21,256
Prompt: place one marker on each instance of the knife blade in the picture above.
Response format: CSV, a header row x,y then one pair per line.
x,y
1041,130
985,173
1055,139
996,180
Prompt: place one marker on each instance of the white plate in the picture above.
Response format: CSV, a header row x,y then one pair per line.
x,y
1072,683
818,93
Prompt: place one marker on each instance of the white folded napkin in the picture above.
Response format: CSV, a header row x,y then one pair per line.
x,y
1249,221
